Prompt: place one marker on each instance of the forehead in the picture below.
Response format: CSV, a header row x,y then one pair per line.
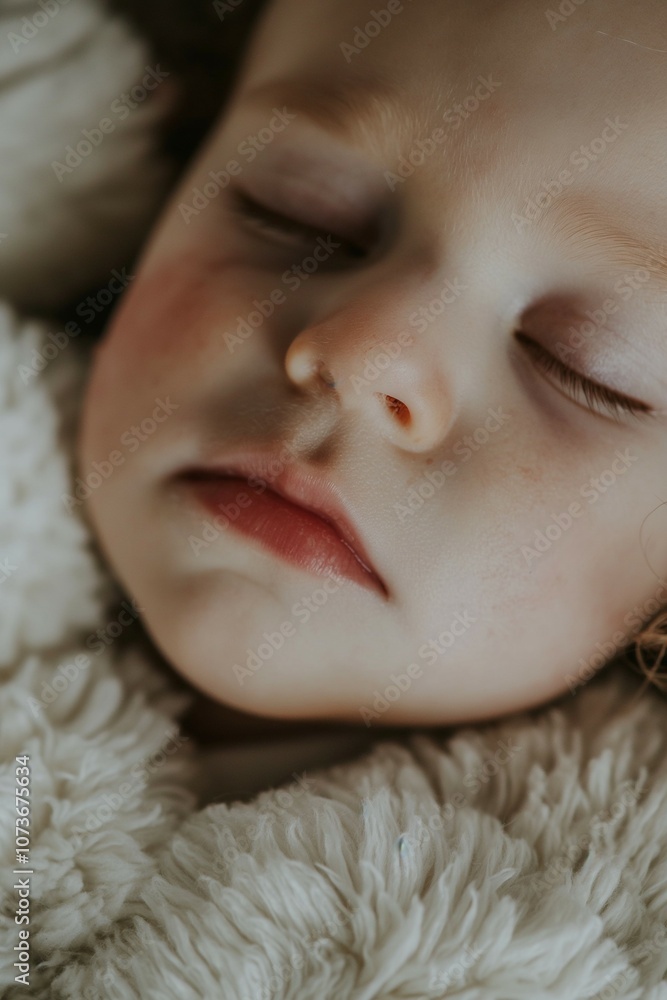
x,y
528,90
601,59
606,52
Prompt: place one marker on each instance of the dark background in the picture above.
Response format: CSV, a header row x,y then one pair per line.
x,y
202,52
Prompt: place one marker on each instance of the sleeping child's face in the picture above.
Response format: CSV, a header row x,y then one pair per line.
x,y
378,432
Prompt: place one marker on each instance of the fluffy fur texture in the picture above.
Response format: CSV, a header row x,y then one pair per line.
x,y
525,858
61,71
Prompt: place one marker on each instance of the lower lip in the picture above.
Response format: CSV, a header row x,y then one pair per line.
x,y
295,534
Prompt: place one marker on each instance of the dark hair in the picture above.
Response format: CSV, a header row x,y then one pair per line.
x,y
201,43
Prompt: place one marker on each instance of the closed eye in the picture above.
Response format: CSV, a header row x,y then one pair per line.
x,y
287,231
597,397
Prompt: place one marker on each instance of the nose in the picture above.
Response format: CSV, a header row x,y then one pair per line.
x,y
396,382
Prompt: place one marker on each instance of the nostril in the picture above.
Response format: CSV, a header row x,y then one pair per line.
x,y
327,377
397,408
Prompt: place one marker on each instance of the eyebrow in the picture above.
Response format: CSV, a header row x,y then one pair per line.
x,y
347,106
588,229
373,104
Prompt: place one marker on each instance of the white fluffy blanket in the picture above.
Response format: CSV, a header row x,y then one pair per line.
x,y
521,859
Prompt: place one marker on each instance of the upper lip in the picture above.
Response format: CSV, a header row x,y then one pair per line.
x,y
305,488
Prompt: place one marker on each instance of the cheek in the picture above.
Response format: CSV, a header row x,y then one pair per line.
x,y
169,329
504,548
159,320
150,349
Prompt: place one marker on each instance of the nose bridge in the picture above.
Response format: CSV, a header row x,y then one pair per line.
x,y
399,326
377,322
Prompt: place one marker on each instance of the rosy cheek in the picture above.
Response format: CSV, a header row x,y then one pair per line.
x,y
159,317
168,330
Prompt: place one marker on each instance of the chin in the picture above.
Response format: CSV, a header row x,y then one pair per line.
x,y
219,669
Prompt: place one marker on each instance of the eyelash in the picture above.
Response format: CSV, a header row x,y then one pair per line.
x,y
266,221
572,381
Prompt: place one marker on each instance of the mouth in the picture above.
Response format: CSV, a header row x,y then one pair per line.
x,y
297,515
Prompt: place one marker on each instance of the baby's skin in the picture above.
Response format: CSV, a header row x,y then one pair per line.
x,y
414,280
